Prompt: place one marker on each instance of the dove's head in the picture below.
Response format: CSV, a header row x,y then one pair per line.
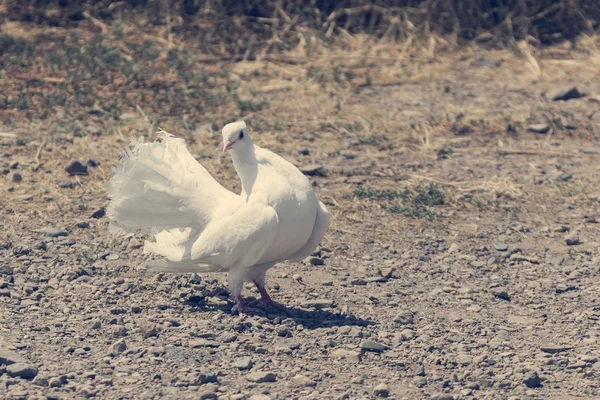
x,y
235,137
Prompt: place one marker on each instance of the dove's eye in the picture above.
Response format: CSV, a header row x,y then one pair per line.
x,y
241,134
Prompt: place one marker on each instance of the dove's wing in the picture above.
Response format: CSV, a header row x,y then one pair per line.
x,y
239,239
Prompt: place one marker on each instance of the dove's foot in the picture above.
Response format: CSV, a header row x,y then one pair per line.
x,y
267,300
239,308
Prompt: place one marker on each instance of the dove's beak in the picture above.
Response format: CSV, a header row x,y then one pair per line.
x,y
227,146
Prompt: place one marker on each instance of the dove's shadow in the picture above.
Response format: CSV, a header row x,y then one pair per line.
x,y
309,319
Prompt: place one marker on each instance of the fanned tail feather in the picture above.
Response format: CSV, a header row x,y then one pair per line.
x,y
159,188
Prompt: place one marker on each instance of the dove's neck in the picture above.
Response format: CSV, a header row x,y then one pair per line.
x,y
246,166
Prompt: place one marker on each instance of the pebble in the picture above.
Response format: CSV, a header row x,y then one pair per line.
x,y
317,261
82,224
539,128
565,94
346,354
532,380
242,363
317,303
99,213
65,184
358,282
228,337
148,329
381,390
407,334
371,345
202,343
75,167
16,177
302,381
119,331
572,239
553,349
261,377
40,381
313,170
51,231
119,346
442,396
386,272
500,246
8,357
501,294
404,318
22,370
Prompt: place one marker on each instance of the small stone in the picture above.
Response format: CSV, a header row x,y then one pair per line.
x,y
207,395
381,390
553,349
317,303
405,318
157,350
65,184
358,282
40,381
8,357
346,354
228,337
148,329
317,261
261,377
82,224
532,380
22,370
442,396
501,294
539,128
16,177
313,170
376,279
57,382
386,272
3,293
119,331
99,213
119,346
565,94
51,231
500,246
371,345
92,163
75,167
242,363
207,377
572,239
407,334
136,309
302,381
203,343
565,177
111,257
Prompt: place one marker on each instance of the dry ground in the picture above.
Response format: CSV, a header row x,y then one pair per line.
x,y
462,261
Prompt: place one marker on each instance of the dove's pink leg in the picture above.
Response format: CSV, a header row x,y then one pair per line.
x,y
264,295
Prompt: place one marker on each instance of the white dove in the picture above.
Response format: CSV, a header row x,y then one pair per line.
x,y
199,226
